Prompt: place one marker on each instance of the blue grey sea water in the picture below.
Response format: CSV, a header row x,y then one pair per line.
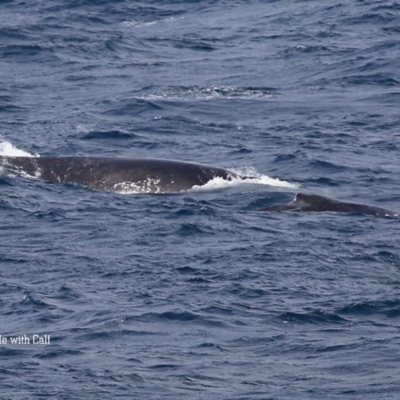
x,y
198,295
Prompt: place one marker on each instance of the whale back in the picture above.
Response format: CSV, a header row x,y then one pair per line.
x,y
315,203
118,174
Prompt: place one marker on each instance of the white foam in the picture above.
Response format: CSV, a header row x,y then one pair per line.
x,y
267,180
260,179
8,149
216,183
220,183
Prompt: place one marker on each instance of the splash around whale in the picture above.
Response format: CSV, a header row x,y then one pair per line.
x,y
140,175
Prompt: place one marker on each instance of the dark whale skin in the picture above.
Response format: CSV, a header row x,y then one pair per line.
x,y
144,175
314,203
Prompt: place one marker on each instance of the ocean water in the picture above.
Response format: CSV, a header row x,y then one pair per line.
x,y
198,295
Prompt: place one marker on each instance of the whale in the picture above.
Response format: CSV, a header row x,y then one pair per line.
x,y
314,203
148,175
143,175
